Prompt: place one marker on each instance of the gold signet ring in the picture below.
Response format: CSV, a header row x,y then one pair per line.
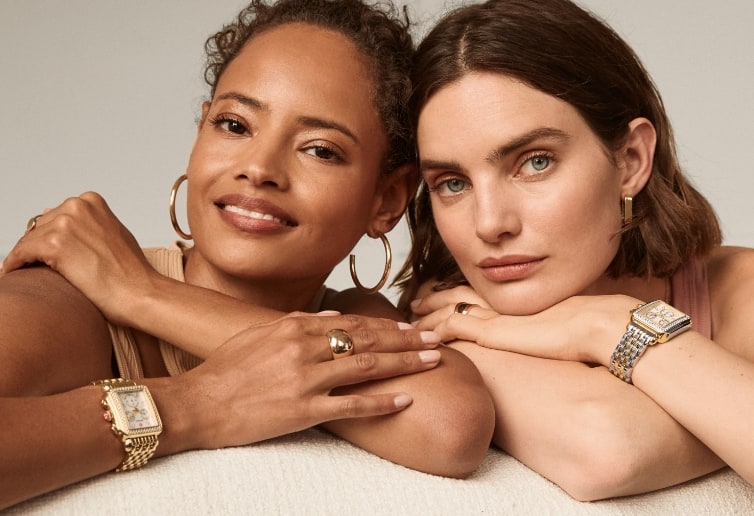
x,y
32,223
341,344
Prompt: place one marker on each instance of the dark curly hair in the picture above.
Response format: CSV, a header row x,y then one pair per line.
x,y
562,50
378,31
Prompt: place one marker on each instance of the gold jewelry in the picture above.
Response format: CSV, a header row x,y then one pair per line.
x,y
134,419
173,218
627,209
385,272
463,308
341,344
32,223
650,324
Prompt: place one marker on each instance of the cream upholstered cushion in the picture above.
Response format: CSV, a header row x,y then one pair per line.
x,y
312,472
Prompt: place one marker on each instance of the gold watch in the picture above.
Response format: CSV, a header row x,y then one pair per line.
x,y
651,323
134,419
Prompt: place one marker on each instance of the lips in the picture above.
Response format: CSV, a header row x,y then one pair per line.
x,y
509,268
251,212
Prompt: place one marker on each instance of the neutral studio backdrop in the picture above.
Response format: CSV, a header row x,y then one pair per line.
x,y
104,95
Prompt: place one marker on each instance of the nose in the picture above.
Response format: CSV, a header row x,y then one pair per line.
x,y
496,211
263,162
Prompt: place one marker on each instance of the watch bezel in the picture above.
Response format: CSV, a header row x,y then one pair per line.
x,y
678,324
118,411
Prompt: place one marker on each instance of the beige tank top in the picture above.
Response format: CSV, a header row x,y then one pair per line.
x,y
690,294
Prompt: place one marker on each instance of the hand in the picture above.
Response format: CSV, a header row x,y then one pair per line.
x,y
82,240
433,301
581,328
274,379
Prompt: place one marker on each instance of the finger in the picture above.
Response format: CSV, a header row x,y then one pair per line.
x,y
364,367
355,405
461,327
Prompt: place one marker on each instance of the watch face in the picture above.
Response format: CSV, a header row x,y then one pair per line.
x,y
661,318
136,411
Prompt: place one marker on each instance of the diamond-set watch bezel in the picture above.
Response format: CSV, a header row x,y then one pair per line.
x,y
646,316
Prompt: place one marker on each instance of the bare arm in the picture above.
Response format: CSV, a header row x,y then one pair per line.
x,y
579,426
53,341
85,242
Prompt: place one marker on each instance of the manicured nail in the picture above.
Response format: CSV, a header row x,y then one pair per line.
x,y
402,400
429,337
405,326
430,356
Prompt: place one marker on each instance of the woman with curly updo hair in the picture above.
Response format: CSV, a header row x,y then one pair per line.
x,y
303,147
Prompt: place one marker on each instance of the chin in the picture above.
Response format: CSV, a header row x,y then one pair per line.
x,y
521,304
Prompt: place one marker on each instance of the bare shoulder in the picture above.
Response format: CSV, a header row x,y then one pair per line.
x,y
731,280
51,336
353,301
730,268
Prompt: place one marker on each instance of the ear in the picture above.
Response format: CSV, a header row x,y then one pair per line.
x,y
393,195
636,156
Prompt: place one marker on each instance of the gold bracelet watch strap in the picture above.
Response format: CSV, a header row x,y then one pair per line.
x,y
133,416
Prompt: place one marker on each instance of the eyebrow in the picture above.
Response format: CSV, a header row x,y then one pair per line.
x,y
310,121
245,100
524,140
307,121
502,151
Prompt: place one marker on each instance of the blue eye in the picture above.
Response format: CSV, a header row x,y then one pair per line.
x,y
537,163
449,187
455,185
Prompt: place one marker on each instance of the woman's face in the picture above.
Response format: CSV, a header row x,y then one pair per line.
x,y
284,171
524,194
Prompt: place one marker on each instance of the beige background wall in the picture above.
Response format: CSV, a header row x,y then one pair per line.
x,y
103,95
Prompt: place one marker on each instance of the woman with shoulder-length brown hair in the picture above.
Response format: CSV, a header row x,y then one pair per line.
x,y
553,205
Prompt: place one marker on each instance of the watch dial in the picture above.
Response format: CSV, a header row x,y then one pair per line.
x,y
662,315
138,410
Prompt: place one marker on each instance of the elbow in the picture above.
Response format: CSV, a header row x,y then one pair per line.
x,y
603,461
463,432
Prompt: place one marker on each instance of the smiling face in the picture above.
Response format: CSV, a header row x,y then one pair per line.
x,y
524,194
283,176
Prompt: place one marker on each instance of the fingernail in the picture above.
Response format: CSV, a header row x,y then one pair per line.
x,y
402,400
415,302
430,356
429,337
405,326
328,312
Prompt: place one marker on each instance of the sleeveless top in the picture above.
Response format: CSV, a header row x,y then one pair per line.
x,y
690,294
168,262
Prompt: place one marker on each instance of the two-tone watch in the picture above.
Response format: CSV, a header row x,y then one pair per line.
x,y
134,419
651,323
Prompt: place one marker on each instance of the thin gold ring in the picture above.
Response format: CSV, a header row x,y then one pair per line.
x,y
341,344
32,223
463,308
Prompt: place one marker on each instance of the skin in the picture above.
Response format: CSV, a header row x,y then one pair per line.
x,y
268,141
544,212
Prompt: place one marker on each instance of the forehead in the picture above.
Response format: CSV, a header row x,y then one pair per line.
x,y
298,58
497,103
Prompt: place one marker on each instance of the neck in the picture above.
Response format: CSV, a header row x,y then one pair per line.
x,y
645,289
284,294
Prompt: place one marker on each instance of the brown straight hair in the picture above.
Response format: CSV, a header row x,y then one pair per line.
x,y
564,51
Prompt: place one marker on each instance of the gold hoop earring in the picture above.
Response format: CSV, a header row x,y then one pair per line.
x,y
385,272
173,218
627,209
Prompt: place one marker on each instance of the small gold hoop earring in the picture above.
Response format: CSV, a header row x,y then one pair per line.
x,y
385,272
627,209
173,218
